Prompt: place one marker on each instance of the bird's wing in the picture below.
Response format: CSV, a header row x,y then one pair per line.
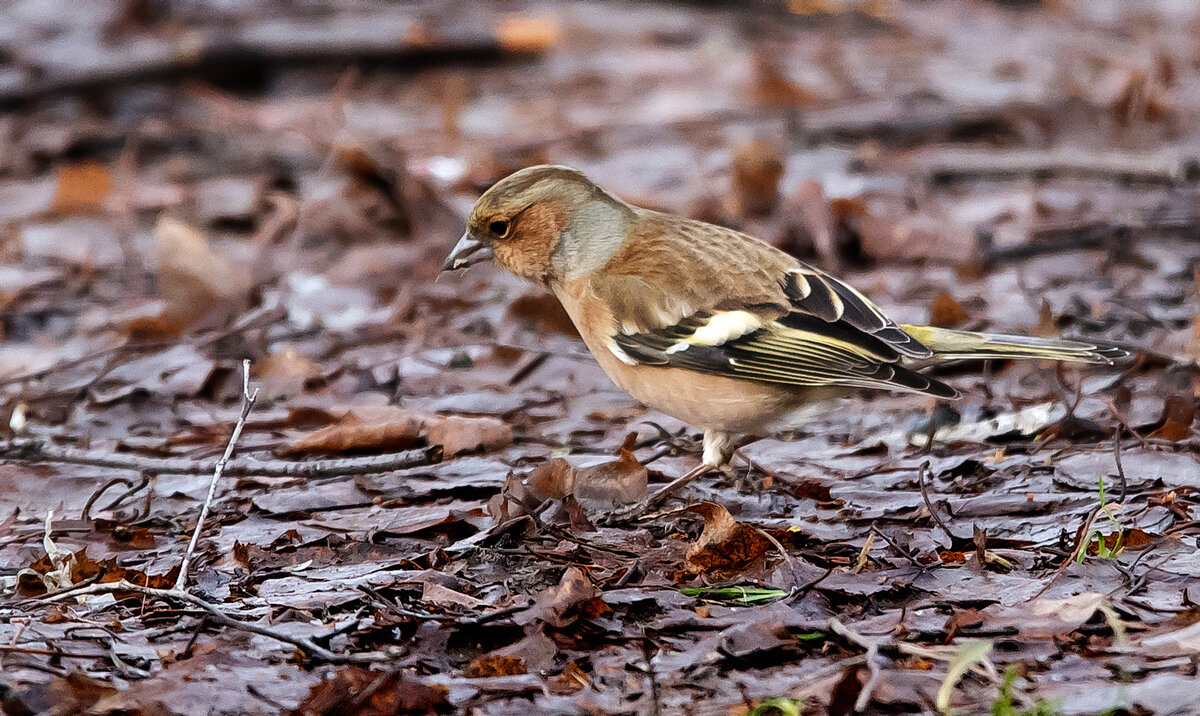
x,y
745,310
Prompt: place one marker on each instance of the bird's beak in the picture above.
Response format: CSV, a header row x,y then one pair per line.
x,y
467,252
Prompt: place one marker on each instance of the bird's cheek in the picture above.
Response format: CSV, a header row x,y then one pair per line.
x,y
522,260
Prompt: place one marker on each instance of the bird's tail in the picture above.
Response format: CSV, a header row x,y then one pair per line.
x,y
948,344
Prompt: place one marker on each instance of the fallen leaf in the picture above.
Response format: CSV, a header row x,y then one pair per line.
x,y
285,372
725,545
457,434
756,171
564,603
194,280
543,310
611,483
527,34
1175,423
384,428
391,693
552,480
947,312
398,431
81,188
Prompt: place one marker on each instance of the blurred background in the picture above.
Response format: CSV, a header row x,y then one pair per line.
x,y
327,151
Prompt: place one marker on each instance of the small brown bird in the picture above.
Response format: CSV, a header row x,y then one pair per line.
x,y
707,324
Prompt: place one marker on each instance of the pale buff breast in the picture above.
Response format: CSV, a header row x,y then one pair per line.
x,y
706,401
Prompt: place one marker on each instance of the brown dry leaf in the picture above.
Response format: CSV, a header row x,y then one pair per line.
x,y
947,312
773,88
382,428
1127,539
194,280
552,480
565,602
459,435
391,694
619,481
725,545
74,693
1175,423
81,188
527,34
533,653
757,169
285,372
816,219
361,430
1046,326
489,665
573,679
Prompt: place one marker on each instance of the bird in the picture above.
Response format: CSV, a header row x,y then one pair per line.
x,y
710,325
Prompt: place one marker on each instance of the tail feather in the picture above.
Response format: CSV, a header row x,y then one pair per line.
x,y
948,344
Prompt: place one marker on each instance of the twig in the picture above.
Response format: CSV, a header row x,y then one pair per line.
x,y
903,552
86,515
57,653
1120,468
787,558
928,504
872,659
313,649
248,399
36,451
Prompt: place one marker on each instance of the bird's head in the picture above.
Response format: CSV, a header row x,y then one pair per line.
x,y
543,223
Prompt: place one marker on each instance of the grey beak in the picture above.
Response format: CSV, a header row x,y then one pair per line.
x,y
467,252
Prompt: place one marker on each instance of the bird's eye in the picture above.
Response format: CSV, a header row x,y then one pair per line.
x,y
499,228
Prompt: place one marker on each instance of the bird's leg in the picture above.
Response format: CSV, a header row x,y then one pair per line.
x,y
718,449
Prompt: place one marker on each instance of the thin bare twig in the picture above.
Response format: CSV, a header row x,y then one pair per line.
x,y
313,649
1120,468
872,660
248,399
241,467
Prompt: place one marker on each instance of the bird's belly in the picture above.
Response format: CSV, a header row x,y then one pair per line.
x,y
707,401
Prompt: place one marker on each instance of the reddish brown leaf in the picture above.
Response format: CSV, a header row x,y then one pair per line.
x,y
81,188
725,545
947,312
359,691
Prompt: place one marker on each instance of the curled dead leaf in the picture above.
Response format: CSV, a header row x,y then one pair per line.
x,y
573,597
725,545
757,169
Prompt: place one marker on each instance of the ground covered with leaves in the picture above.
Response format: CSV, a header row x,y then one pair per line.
x,y
413,520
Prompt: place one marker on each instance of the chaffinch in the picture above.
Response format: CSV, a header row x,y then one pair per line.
x,y
708,324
